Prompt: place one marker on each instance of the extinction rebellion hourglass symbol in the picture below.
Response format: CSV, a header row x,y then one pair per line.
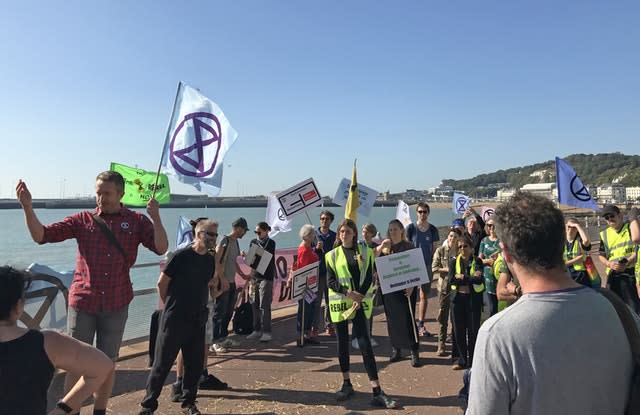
x,y
193,156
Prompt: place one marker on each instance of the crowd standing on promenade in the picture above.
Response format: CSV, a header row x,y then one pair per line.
x,y
525,270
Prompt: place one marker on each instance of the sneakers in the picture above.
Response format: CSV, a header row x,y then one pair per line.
x,y
176,392
254,335
218,348
383,401
331,331
354,344
229,342
345,392
190,409
265,337
441,350
374,343
211,382
395,355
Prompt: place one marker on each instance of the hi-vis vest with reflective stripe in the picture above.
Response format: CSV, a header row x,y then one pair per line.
x,y
576,250
617,244
476,287
337,261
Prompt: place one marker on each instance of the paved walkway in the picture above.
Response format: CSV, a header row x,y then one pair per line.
x,y
280,378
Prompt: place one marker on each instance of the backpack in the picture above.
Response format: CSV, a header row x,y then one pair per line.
x,y
631,329
243,319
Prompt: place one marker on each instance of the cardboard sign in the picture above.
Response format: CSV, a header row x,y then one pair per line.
x,y
305,278
299,198
402,270
258,258
367,196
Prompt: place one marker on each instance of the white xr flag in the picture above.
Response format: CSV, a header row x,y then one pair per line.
x,y
402,213
276,217
198,138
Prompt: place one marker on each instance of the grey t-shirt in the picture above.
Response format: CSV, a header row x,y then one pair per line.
x,y
232,251
563,352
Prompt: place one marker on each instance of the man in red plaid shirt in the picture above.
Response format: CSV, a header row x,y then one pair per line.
x,y
101,290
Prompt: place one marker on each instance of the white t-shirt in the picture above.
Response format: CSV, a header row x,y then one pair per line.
x,y
562,352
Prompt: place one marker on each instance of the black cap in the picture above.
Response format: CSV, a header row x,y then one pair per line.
x,y
609,210
240,223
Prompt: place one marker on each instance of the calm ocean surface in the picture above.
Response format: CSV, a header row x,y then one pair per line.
x,y
18,249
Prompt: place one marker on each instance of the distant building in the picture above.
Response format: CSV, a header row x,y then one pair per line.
x,y
633,193
504,194
611,193
547,190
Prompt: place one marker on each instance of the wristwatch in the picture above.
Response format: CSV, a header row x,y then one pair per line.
x,y
64,407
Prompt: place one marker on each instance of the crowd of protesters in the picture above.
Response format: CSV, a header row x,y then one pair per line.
x,y
526,254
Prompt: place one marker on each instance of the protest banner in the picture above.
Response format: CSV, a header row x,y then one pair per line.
x,y
402,270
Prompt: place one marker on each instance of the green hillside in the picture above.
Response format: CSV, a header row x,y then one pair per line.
x,y
593,169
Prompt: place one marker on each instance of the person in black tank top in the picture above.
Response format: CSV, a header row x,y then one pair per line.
x,y
28,358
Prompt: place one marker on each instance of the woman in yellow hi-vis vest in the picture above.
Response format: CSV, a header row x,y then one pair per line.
x,y
350,281
467,285
576,250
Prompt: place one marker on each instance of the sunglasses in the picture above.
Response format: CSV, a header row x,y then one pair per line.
x,y
423,211
211,234
609,217
490,225
258,232
463,246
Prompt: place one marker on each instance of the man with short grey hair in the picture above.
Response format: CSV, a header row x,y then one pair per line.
x,y
561,348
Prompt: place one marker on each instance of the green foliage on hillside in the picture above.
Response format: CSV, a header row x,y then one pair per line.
x,y
593,169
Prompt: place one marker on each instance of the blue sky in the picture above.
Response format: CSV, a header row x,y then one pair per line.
x,y
417,91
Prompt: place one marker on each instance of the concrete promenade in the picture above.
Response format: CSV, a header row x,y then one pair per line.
x,y
279,378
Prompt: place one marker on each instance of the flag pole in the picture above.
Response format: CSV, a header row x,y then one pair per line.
x,y
166,138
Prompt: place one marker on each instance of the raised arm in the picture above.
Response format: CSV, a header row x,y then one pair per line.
x,y
634,225
36,229
74,356
160,239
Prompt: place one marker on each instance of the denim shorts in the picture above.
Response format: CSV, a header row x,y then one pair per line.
x,y
106,327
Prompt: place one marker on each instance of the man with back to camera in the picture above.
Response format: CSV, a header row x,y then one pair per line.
x,y
537,356
617,253
101,290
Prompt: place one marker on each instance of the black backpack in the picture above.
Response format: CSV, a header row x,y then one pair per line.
x,y
631,329
243,319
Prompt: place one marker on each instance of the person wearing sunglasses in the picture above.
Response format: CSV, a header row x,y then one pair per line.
x,y
263,293
423,235
467,287
184,287
617,253
488,252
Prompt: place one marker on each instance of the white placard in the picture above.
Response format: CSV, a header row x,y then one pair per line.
x,y
258,258
367,196
303,279
299,198
402,270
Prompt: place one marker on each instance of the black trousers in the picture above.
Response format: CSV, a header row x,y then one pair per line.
x,y
625,286
223,311
360,331
177,333
465,315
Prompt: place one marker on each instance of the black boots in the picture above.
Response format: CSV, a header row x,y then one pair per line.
x,y
395,355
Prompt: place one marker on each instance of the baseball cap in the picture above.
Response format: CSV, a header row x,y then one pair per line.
x,y
240,223
609,210
457,222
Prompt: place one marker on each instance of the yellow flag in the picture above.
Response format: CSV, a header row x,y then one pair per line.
x,y
353,201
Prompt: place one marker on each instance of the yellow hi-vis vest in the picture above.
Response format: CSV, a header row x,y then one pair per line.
x,y
476,287
617,244
339,303
576,250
